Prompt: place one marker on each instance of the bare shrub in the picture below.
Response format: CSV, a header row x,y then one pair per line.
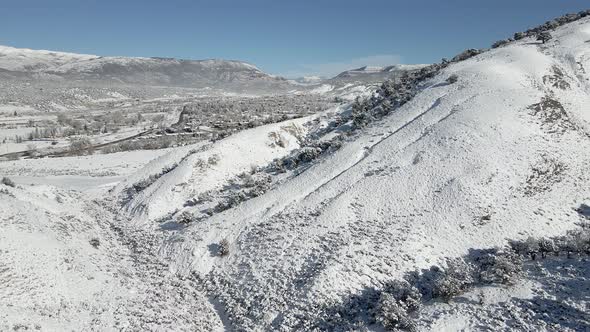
x,y
455,280
8,182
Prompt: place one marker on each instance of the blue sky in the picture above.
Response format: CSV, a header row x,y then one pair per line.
x,y
290,38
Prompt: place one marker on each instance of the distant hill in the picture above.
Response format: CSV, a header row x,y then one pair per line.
x,y
372,73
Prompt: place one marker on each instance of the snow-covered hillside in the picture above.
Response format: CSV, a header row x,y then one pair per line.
x,y
206,168
501,154
63,267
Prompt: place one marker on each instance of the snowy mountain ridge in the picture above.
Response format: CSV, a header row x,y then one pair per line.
x,y
22,59
48,65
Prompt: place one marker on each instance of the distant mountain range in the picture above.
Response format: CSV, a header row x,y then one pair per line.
x,y
25,63
216,73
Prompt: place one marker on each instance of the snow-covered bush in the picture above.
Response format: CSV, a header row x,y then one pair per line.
x,y
303,155
499,266
397,302
547,246
245,186
230,201
392,314
452,79
184,218
8,182
574,242
307,154
455,279
360,113
519,247
141,185
577,241
213,160
247,180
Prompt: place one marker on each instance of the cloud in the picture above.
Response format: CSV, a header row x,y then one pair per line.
x,y
330,69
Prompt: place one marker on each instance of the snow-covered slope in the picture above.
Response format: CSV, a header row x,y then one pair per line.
x,y
62,267
500,154
201,169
